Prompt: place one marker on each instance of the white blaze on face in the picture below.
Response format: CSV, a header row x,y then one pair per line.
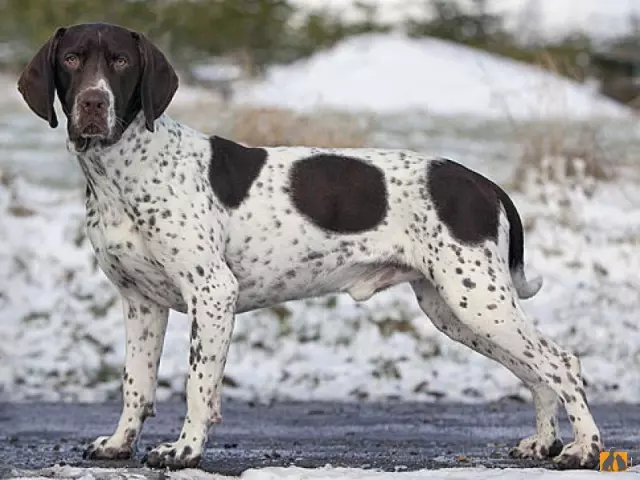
x,y
103,85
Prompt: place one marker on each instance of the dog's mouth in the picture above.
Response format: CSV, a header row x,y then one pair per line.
x,y
92,132
94,129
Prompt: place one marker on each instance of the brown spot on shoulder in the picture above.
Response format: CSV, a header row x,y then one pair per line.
x,y
233,169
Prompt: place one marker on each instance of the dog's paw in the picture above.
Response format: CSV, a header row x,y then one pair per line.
x,y
173,455
579,455
108,448
536,448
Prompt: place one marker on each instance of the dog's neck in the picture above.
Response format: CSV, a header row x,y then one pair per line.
x,y
105,165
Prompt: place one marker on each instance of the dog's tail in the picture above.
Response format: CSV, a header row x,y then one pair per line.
x,y
525,288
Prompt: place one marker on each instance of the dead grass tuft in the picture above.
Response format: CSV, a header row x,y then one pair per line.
x,y
274,127
564,152
6,178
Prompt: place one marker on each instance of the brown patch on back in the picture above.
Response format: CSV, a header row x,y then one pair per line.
x,y
465,201
339,194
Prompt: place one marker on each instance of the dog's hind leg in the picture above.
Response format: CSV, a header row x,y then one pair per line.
x,y
475,283
545,442
145,326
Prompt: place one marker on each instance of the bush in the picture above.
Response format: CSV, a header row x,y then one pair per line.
x,y
272,127
185,29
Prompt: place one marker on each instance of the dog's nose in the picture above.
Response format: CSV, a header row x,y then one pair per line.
x,y
95,101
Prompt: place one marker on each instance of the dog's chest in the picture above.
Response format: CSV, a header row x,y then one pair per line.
x,y
124,253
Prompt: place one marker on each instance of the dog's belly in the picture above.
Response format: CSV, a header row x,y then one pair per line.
x,y
269,279
359,281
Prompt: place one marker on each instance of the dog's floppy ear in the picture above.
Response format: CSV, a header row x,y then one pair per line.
x,y
159,81
37,81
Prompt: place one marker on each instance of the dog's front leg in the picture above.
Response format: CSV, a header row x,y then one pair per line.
x,y
145,325
211,312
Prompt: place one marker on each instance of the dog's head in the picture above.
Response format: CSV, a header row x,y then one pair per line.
x,y
104,76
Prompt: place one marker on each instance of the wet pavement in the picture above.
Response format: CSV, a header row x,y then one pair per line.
x,y
389,436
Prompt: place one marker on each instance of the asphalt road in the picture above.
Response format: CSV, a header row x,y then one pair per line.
x,y
387,436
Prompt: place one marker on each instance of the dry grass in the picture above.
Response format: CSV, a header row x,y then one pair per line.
x,y
6,178
271,127
559,152
565,152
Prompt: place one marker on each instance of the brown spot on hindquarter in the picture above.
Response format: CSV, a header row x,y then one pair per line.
x,y
340,194
233,169
464,201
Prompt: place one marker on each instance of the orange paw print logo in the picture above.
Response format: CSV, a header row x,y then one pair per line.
x,y
614,461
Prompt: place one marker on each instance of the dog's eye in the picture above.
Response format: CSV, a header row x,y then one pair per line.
x,y
72,61
120,62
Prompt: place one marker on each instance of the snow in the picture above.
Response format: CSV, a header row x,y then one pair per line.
x,y
385,73
331,473
600,19
326,473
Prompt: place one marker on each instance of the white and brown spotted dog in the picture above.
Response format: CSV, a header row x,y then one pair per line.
x,y
205,226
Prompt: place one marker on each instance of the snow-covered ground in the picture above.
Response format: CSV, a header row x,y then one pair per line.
x,y
330,473
62,335
385,73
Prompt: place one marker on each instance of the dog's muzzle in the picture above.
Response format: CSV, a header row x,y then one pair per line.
x,y
92,114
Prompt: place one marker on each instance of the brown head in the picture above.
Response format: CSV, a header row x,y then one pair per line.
x,y
104,76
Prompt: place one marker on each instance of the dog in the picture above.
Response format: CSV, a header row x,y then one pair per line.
x,y
209,227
